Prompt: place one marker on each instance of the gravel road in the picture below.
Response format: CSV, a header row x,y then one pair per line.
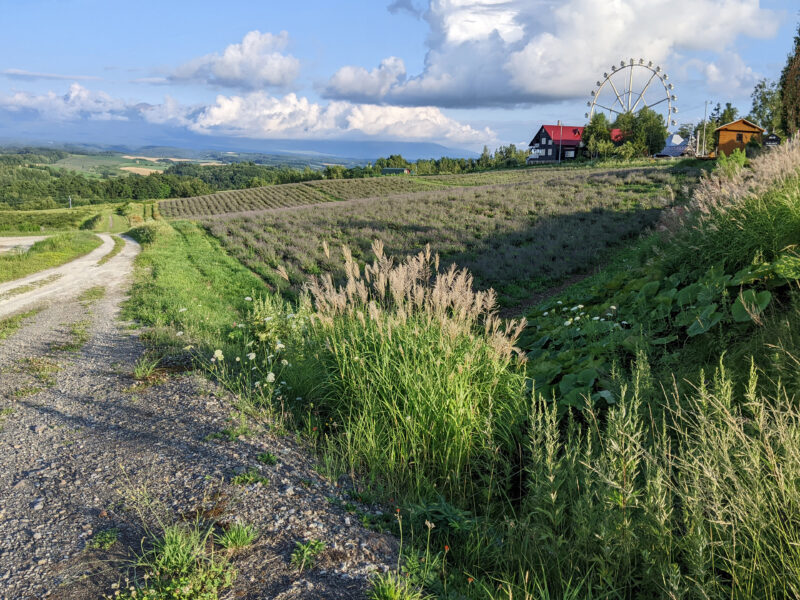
x,y
84,444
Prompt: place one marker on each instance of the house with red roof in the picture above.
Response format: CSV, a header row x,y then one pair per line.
x,y
554,142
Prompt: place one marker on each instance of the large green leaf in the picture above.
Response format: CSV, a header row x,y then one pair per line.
x,y
787,267
750,304
704,321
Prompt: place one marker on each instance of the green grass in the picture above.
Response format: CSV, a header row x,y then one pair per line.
x,y
249,477
646,448
305,553
51,252
237,537
92,294
78,336
103,539
10,325
185,283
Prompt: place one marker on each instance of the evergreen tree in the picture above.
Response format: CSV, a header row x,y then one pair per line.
x,y
790,90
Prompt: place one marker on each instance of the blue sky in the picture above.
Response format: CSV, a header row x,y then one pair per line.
x,y
462,73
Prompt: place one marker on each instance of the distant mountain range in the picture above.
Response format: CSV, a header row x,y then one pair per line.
x,y
138,136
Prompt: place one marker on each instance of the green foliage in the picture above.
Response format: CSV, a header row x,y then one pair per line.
x,y
181,564
305,553
249,477
766,109
790,90
236,537
103,539
391,586
729,166
267,458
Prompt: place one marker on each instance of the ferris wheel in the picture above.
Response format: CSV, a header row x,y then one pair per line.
x,y
632,86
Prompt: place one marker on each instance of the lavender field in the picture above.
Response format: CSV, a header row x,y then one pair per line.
x,y
522,232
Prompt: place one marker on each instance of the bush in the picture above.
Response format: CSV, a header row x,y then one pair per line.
x,y
151,232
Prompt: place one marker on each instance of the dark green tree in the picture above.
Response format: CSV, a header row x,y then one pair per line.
x,y
790,90
649,131
599,127
766,109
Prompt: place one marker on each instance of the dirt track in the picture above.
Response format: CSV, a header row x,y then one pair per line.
x,y
69,280
83,442
7,244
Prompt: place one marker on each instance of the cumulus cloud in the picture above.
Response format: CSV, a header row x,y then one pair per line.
x,y
77,103
257,62
259,115
33,75
358,84
728,74
508,52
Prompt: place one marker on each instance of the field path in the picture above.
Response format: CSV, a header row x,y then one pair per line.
x,y
85,448
67,281
7,244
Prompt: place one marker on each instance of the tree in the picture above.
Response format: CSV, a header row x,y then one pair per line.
x,y
766,109
598,127
686,130
649,131
790,90
485,161
729,114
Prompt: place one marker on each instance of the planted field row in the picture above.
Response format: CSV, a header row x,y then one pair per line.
x,y
514,238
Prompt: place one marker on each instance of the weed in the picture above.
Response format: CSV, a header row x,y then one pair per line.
x,y
10,325
249,477
92,294
267,458
145,367
305,553
79,335
103,539
236,537
391,586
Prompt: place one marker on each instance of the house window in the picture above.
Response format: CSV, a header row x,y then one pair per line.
x,y
549,152
739,137
569,154
544,141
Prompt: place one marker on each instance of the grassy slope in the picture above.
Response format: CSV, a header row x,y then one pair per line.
x,y
185,282
609,504
52,252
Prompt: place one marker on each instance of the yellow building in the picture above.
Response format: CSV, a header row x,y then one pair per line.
x,y
736,135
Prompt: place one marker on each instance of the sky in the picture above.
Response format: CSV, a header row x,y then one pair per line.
x,y
461,73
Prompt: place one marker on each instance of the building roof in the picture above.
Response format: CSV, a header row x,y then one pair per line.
x,y
564,134
674,150
749,126
617,135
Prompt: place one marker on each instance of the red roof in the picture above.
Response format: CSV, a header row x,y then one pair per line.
x,y
617,135
564,134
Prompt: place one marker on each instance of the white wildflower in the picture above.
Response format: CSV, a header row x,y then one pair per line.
x,y
270,377
179,334
279,346
237,359
284,362
595,318
218,355
568,323
248,298
257,384
559,302
251,356
612,307
182,310
544,314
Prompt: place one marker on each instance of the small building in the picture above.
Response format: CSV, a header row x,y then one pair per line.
x,y
617,136
395,171
772,140
736,135
554,141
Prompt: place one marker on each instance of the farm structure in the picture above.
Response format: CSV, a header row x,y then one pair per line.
x,y
395,171
772,140
554,140
737,134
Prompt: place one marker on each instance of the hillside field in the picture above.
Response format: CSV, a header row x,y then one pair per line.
x,y
517,231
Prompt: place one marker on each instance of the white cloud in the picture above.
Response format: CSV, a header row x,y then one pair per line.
x,y
259,115
728,75
507,52
33,75
257,62
77,103
356,83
